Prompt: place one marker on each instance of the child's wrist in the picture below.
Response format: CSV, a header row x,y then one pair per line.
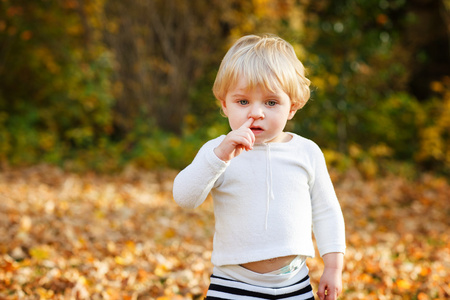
x,y
219,154
333,268
334,260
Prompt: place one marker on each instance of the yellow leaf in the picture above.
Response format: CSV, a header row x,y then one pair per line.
x,y
437,86
120,260
161,270
131,245
82,280
403,284
170,233
39,253
45,294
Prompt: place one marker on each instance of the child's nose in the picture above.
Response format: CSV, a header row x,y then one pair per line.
x,y
256,113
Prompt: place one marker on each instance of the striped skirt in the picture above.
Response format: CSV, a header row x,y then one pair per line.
x,y
225,287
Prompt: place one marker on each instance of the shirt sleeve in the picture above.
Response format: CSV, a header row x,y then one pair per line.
x,y
327,217
193,184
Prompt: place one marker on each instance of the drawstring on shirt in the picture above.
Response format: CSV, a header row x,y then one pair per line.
x,y
269,183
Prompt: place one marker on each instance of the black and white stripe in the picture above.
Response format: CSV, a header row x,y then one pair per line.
x,y
226,288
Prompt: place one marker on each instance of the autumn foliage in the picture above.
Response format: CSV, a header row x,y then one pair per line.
x,y
124,88
67,236
102,84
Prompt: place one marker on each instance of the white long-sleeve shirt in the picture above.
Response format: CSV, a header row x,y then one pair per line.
x,y
266,201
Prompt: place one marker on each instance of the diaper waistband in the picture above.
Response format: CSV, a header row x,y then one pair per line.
x,y
285,276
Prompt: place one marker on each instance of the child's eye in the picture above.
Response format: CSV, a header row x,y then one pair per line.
x,y
271,103
243,102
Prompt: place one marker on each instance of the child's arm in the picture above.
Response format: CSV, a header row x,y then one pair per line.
x,y
193,184
329,229
327,217
331,281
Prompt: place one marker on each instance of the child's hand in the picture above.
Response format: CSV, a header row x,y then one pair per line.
x,y
236,141
330,285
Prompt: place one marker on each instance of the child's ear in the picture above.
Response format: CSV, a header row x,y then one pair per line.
x,y
292,112
223,103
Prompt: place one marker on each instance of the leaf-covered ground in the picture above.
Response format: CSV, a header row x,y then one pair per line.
x,y
69,236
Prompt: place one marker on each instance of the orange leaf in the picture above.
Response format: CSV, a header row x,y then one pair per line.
x,y
403,284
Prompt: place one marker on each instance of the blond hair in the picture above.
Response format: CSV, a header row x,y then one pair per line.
x,y
267,61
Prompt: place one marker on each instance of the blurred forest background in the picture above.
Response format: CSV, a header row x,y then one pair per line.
x,y
102,84
102,101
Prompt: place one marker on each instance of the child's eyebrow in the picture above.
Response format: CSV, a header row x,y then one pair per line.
x,y
272,96
238,96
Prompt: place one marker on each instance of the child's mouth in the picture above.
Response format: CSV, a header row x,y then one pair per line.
x,y
256,129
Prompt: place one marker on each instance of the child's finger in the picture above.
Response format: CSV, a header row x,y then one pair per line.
x,y
322,292
247,123
247,126
238,150
246,142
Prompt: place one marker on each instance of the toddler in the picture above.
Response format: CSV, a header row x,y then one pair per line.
x,y
269,187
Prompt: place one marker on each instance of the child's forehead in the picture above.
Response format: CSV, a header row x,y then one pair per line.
x,y
243,84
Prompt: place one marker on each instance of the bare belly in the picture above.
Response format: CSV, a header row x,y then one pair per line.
x,y
269,265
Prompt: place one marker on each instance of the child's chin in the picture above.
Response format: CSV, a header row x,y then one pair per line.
x,y
261,141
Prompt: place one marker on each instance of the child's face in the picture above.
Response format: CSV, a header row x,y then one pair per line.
x,y
270,111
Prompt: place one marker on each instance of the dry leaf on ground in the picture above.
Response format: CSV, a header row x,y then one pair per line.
x,y
69,236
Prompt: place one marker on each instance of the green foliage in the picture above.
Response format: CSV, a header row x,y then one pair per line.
x,y
396,121
102,84
354,65
64,101
434,149
359,68
152,149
